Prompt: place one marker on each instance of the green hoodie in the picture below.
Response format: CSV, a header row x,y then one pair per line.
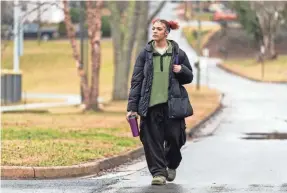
x,y
161,68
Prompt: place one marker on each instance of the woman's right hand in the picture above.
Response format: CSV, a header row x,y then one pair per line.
x,y
130,114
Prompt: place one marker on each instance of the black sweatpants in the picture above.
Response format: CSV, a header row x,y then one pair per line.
x,y
162,139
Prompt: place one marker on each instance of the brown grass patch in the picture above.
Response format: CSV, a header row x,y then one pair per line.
x,y
207,33
274,71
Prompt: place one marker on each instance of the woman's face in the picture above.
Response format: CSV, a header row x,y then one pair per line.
x,y
159,31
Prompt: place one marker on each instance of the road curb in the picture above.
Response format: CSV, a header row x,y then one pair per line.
x,y
19,172
85,169
246,77
197,126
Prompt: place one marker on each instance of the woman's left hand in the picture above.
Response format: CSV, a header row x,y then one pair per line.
x,y
176,68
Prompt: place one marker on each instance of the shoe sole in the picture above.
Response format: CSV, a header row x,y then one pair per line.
x,y
158,183
170,180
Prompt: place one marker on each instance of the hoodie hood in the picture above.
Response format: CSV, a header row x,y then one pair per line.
x,y
175,46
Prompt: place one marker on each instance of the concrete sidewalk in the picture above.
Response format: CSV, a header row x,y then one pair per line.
x,y
69,100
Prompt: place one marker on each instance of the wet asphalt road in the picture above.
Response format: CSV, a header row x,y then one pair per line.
x,y
222,162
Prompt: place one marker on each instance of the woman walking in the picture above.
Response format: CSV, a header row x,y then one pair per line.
x,y
158,97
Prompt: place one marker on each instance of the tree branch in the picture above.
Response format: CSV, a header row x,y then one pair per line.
x,y
36,8
156,12
71,33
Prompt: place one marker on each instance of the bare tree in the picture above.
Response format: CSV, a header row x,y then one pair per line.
x,y
129,25
142,25
269,14
94,30
123,34
94,27
6,12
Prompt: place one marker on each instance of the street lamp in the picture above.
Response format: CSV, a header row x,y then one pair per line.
x,y
16,36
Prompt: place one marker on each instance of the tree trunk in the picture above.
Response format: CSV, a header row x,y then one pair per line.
x,y
123,44
272,46
94,30
266,42
124,38
117,42
131,35
142,34
71,35
120,82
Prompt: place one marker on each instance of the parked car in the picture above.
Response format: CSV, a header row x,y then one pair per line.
x,y
225,15
30,31
176,1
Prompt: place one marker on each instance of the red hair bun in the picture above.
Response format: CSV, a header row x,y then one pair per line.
x,y
173,25
170,24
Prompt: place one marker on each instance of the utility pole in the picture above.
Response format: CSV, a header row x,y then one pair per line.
x,y
198,46
21,26
16,36
39,21
21,37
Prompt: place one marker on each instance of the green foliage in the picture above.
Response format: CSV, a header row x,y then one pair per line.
x,y
248,19
62,29
75,15
106,26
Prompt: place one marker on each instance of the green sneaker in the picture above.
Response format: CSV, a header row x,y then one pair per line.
x,y
171,175
158,180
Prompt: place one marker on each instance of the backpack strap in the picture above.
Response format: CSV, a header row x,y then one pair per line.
x,y
176,59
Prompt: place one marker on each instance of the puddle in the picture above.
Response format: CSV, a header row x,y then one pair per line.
x,y
266,136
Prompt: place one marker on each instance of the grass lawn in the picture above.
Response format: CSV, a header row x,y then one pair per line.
x,y
50,67
65,136
275,71
201,16
204,16
206,33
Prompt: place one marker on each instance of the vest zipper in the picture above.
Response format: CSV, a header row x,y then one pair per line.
x,y
161,62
